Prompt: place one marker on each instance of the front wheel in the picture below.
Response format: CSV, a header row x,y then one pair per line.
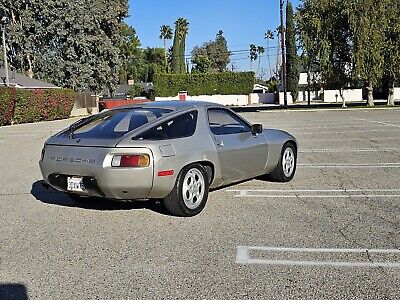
x,y
286,168
190,192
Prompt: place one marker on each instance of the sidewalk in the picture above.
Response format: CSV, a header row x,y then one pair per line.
x,y
313,105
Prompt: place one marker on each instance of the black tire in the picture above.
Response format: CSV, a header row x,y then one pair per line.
x,y
182,201
279,174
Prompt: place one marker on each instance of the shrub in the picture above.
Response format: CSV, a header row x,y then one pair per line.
x,y
26,106
136,90
7,102
226,83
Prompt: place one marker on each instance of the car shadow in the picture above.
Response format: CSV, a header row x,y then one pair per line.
x,y
13,291
46,194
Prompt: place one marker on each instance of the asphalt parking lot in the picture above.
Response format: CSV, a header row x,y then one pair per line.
x,y
331,233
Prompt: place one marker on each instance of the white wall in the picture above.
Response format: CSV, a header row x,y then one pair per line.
x,y
396,93
349,96
303,79
239,100
265,98
282,98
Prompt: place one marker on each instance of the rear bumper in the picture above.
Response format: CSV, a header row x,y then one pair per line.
x,y
99,178
59,181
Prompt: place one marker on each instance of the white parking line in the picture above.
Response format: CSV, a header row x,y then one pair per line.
x,y
351,166
10,136
346,131
243,257
348,150
366,139
320,191
321,194
338,196
10,132
376,122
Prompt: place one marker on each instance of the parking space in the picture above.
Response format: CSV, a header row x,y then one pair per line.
x,y
331,233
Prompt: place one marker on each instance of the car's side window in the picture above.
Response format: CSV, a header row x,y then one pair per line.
x,y
179,127
222,122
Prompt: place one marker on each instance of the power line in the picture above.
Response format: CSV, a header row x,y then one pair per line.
x,y
238,52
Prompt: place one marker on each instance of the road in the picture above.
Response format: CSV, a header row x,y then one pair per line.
x,y
331,233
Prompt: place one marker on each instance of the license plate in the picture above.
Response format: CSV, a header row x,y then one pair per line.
x,y
75,184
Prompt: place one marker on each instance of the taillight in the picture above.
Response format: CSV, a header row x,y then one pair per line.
x,y
131,161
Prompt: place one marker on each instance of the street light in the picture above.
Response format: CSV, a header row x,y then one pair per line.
x,y
3,23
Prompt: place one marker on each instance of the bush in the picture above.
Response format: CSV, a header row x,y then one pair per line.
x,y
136,90
226,83
7,102
26,106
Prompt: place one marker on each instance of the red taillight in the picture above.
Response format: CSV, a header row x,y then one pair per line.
x,y
131,161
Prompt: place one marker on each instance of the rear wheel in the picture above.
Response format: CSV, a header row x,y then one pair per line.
x,y
190,192
286,168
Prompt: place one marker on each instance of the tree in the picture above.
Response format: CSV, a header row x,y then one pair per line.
x,y
220,53
202,64
269,35
81,46
367,21
211,56
326,34
165,34
309,31
153,62
392,46
130,54
260,51
292,61
178,53
253,55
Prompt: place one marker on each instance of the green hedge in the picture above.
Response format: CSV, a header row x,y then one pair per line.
x,y
7,101
227,83
25,106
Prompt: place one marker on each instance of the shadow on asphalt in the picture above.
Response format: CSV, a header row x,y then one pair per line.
x,y
13,291
46,194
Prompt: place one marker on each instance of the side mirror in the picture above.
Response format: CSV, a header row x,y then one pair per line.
x,y
256,129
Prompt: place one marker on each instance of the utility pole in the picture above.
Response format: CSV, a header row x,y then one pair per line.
x,y
3,23
284,79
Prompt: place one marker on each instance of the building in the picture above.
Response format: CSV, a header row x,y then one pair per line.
x,y
23,82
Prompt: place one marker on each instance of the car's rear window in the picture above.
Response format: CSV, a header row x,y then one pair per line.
x,y
116,123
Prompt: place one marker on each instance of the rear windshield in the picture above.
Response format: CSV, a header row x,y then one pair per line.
x,y
116,123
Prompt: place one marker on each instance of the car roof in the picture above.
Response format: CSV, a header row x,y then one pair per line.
x,y
174,105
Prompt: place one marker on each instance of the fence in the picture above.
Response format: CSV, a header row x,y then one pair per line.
x,y
84,100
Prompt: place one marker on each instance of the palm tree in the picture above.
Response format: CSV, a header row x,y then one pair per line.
x,y
260,50
253,55
269,35
278,65
165,34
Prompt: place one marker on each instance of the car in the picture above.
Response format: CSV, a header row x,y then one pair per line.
x,y
173,150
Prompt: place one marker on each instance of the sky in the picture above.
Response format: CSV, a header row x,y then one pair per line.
x,y
243,23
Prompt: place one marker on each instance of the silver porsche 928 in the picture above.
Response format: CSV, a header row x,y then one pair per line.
x,y
175,150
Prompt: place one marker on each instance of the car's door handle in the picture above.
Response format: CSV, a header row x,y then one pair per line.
x,y
220,143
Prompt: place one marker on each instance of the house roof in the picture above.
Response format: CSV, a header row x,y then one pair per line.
x,y
24,82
